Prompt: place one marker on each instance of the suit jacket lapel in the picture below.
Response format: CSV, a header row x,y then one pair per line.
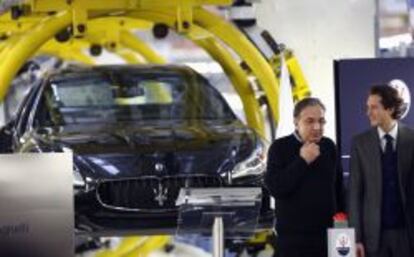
x,y
404,157
374,148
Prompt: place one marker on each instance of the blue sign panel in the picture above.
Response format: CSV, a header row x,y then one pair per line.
x,y
353,79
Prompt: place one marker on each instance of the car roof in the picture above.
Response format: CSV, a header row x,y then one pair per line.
x,y
150,68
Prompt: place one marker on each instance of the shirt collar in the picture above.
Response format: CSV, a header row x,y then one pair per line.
x,y
393,132
297,136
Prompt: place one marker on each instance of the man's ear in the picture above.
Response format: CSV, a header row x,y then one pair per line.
x,y
391,110
295,122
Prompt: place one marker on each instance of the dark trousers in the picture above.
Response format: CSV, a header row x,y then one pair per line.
x,y
301,246
393,243
304,252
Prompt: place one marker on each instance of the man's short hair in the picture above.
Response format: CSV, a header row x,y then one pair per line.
x,y
390,99
306,102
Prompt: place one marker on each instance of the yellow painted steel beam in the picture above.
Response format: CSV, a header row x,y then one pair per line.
x,y
136,246
184,14
252,110
61,5
246,50
69,51
129,56
82,9
107,30
235,73
7,24
70,56
234,39
118,22
3,48
127,39
7,46
113,33
97,28
104,31
26,45
230,41
300,87
239,80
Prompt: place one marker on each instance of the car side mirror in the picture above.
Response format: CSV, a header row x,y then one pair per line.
x,y
45,131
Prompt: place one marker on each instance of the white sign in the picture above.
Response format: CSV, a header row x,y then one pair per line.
x,y
341,242
36,199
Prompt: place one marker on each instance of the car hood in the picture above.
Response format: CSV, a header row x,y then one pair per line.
x,y
160,149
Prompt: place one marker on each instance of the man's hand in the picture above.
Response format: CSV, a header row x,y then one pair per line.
x,y
360,251
309,152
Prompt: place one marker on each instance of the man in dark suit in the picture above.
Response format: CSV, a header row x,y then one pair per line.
x,y
381,185
304,176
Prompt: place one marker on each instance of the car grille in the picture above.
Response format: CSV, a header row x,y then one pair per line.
x,y
149,193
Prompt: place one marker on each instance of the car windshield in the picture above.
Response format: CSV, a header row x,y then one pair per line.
x,y
102,97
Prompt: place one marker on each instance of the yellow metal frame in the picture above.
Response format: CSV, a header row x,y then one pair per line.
x,y
114,33
300,87
128,40
70,51
240,81
129,56
219,53
246,50
102,31
136,246
110,23
14,55
234,39
45,6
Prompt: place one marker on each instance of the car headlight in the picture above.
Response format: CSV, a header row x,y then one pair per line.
x,y
78,180
253,165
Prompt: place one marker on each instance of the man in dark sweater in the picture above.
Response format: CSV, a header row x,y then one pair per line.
x,y
304,176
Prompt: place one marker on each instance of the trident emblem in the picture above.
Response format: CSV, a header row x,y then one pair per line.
x,y
160,194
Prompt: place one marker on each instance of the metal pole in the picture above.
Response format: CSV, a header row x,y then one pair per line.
x,y
218,237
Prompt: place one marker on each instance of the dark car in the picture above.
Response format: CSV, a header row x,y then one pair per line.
x,y
138,134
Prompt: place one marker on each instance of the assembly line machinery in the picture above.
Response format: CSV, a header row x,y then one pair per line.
x,y
69,29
